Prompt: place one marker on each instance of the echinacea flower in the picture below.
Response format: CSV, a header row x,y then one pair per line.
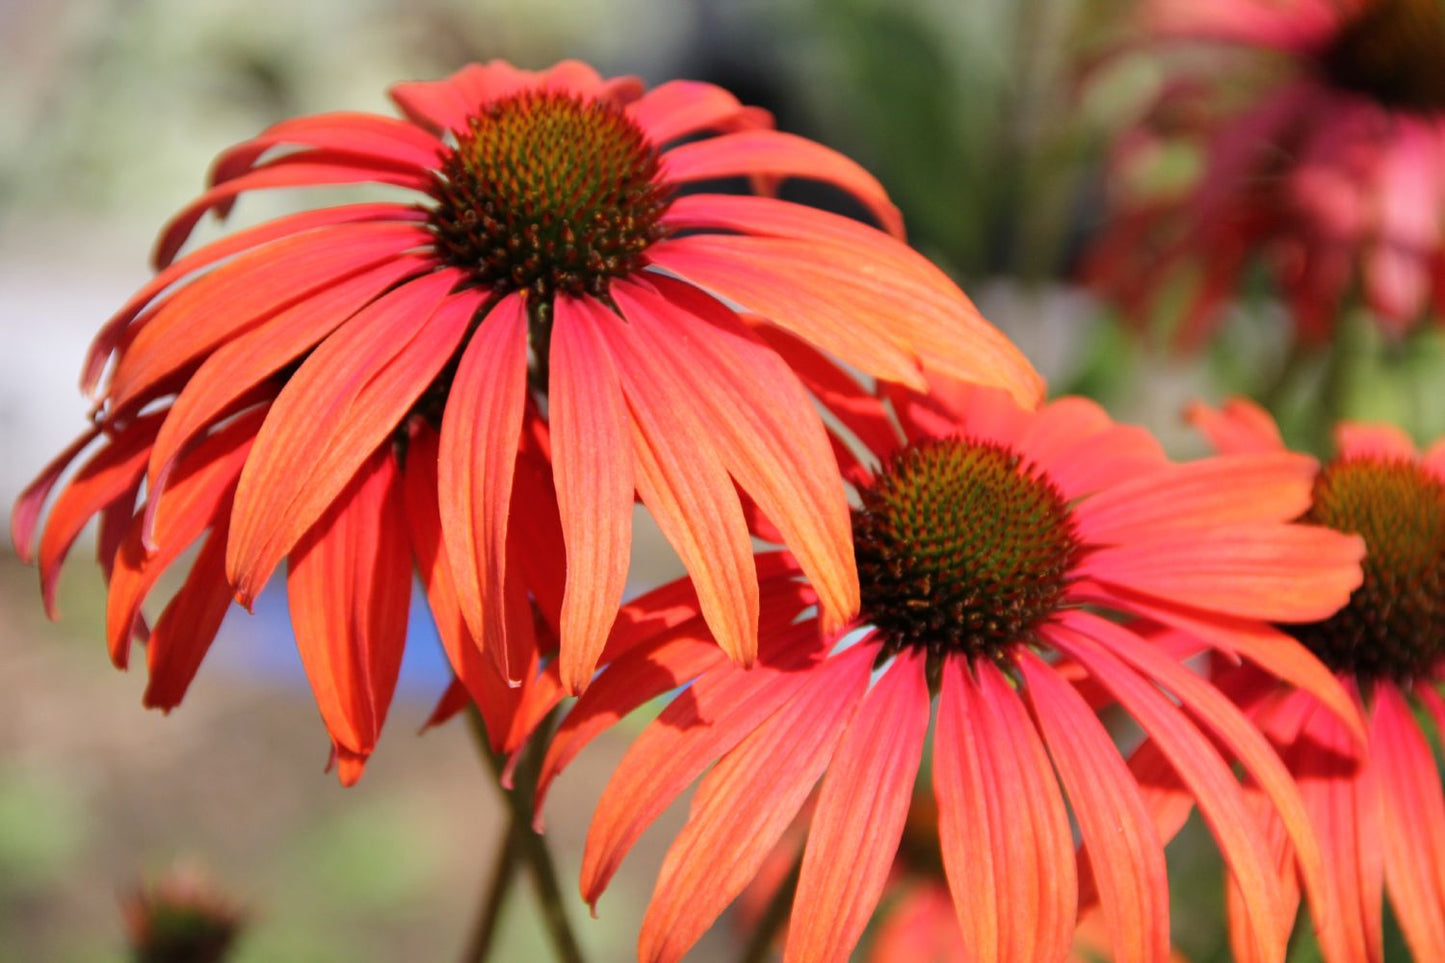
x,y
1331,178
1380,816
302,388
996,549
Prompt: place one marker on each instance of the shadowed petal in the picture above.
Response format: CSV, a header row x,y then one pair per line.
x,y
183,635
349,587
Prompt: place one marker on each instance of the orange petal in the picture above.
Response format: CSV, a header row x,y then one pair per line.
x,y
688,491
706,720
1007,848
1223,490
1219,797
1283,573
1124,852
1412,822
749,404
344,400
860,814
743,806
592,465
481,429
349,587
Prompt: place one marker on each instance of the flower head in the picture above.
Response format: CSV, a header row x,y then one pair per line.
x,y
1331,178
515,352
1380,817
997,549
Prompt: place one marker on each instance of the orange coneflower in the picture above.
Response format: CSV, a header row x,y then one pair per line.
x,y
996,547
1330,177
1380,818
545,282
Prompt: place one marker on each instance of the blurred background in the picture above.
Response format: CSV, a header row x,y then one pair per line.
x,y
989,122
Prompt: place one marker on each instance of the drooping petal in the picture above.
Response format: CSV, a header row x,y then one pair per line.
x,y
858,410
1219,797
592,464
249,358
1125,853
1283,573
241,293
705,721
348,395
743,806
772,153
684,484
202,488
780,278
859,818
1274,651
481,430
1007,848
1412,822
349,587
183,634
101,481
481,682
757,414
25,515
219,250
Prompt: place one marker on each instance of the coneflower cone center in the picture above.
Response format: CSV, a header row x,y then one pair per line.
x,y
962,548
1394,624
549,192
1393,51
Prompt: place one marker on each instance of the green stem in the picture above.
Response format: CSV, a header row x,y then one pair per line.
x,y
773,917
504,873
531,847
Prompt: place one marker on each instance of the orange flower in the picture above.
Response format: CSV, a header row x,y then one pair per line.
x,y
1380,819
305,387
995,547
1331,178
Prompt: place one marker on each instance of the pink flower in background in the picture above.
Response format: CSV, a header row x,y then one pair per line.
x,y
1381,822
1332,177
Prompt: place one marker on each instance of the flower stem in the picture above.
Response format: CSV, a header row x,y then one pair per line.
x,y
484,931
773,918
531,848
